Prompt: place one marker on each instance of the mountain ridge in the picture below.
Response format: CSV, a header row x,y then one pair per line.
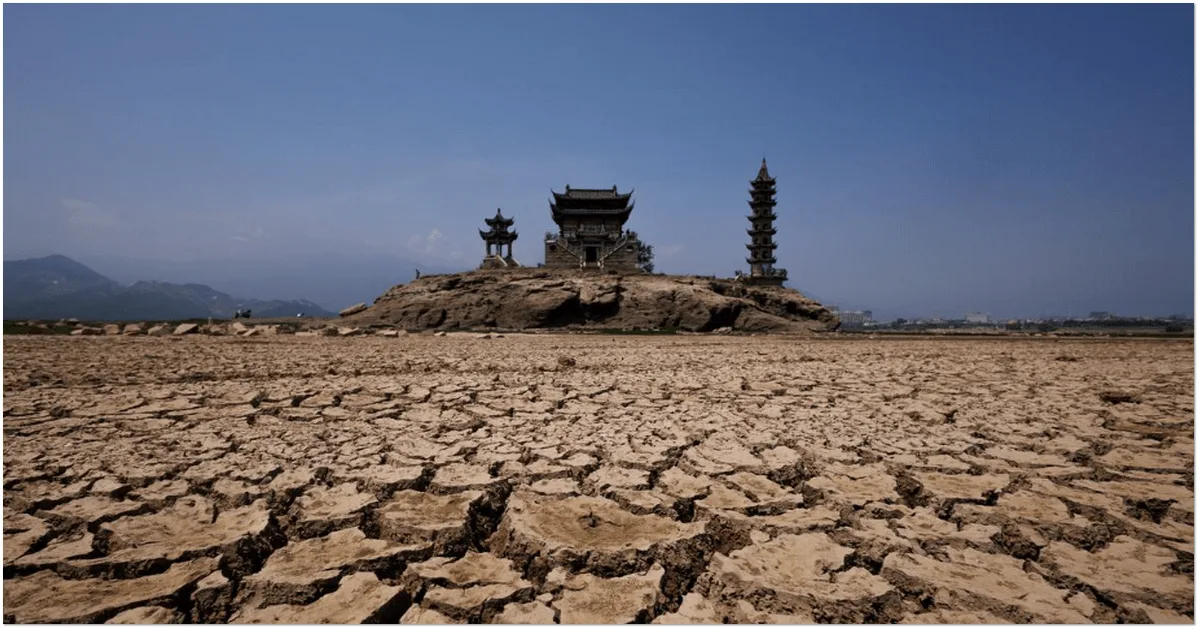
x,y
56,286
332,280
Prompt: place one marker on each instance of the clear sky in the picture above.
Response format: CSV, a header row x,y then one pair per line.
x,y
931,159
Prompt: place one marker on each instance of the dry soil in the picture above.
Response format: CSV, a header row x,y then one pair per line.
x,y
599,479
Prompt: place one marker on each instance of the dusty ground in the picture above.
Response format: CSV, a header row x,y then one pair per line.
x,y
672,479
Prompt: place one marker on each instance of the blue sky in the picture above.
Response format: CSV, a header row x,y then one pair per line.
x,y
931,159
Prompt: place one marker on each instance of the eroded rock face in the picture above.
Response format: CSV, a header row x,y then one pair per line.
x,y
529,298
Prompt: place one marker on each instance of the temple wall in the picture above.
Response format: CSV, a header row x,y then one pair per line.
x,y
557,257
624,259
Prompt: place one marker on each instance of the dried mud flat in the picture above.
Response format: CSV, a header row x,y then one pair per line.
x,y
597,479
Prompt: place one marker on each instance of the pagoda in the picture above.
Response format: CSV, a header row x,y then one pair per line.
x,y
498,236
761,236
591,230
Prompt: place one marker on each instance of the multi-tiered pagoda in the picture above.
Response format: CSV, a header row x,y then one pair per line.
x,y
761,236
591,230
499,236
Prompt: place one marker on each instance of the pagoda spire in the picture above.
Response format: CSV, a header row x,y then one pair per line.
x,y
764,173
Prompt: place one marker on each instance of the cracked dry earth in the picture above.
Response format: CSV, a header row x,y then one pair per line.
x,y
597,479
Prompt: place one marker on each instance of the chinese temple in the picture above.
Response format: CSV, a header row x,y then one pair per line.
x,y
591,230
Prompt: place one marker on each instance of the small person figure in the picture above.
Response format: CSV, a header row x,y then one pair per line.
x,y
418,273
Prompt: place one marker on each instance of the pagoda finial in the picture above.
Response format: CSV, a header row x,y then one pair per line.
x,y
764,172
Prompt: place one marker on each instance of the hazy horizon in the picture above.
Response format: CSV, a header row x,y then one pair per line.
x,y
932,160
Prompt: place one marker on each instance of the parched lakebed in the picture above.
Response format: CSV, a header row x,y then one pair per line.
x,y
597,479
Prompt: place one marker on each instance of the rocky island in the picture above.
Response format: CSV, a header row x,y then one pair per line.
x,y
598,274
530,298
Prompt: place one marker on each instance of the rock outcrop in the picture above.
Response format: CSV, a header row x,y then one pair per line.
x,y
353,309
534,298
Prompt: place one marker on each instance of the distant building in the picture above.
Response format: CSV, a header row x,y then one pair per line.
x,y
1101,316
977,317
856,318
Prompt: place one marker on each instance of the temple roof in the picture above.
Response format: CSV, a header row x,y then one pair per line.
x,y
591,198
594,202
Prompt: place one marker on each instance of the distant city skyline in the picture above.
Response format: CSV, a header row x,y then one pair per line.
x,y
931,160
866,314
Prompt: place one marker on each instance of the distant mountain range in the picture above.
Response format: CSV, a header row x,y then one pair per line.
x,y
57,287
332,279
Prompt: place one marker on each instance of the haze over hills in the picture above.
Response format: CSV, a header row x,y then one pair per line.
x,y
331,281
58,287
